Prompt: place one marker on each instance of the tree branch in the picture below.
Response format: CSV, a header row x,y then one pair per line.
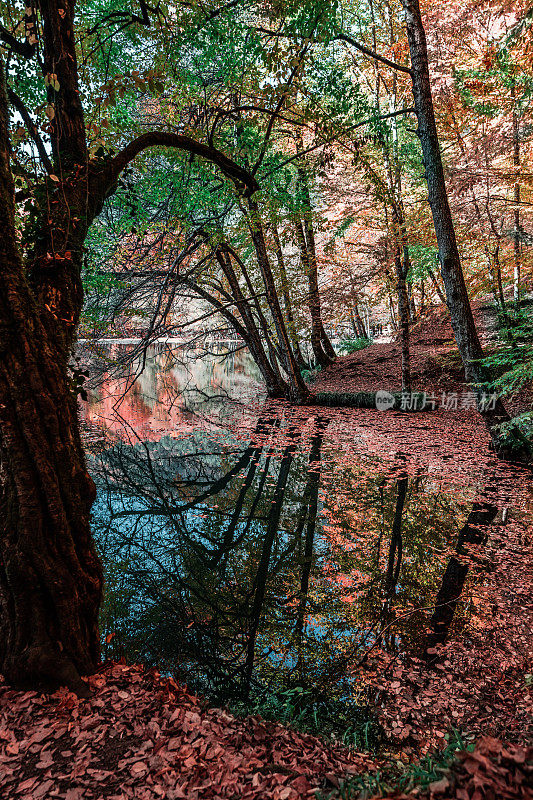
x,y
371,54
24,49
17,103
241,178
296,156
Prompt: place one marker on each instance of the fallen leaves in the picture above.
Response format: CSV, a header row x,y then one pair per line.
x,y
142,736
493,771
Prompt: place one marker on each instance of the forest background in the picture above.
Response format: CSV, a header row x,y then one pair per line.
x,y
271,164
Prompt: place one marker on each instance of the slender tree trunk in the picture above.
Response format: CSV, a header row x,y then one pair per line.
x,y
314,310
50,575
297,387
392,314
361,331
516,193
435,282
403,313
314,292
318,332
461,316
276,387
262,575
396,543
310,512
454,577
412,304
498,276
291,325
263,324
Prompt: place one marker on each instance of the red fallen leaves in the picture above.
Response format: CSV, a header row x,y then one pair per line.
x,y
142,736
494,771
476,682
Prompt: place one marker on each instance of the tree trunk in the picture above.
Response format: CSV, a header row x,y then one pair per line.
x,y
434,281
412,304
403,314
314,310
516,192
291,325
318,333
361,331
50,575
394,563
454,577
276,387
392,313
298,391
461,316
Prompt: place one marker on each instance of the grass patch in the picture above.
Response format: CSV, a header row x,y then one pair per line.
x,y
310,375
397,777
348,346
298,707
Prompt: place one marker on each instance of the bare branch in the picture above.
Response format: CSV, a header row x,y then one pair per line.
x,y
17,103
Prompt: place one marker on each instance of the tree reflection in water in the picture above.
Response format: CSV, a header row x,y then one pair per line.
x,y
256,567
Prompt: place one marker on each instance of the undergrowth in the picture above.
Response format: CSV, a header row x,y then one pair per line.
x,y
353,345
343,721
397,777
512,362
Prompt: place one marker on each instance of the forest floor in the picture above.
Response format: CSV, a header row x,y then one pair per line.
x,y
142,736
435,361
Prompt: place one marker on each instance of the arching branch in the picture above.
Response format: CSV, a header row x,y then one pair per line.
x,y
371,54
242,179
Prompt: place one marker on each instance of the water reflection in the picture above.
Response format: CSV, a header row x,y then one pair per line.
x,y
165,388
262,564
474,531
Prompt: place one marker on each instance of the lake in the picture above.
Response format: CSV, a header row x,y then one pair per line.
x,y
261,552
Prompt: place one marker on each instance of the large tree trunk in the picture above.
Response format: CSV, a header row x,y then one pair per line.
x,y
461,316
50,575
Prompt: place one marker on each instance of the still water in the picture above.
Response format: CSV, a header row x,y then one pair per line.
x,y
253,549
